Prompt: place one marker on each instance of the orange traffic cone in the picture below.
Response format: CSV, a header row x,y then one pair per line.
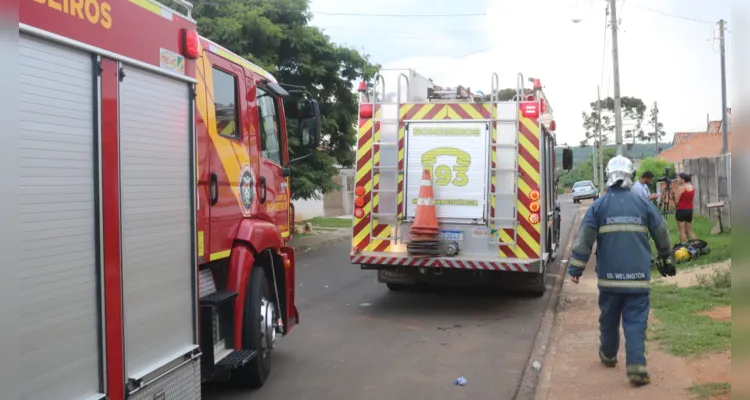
x,y
425,220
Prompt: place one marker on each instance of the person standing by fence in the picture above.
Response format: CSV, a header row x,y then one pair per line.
x,y
684,207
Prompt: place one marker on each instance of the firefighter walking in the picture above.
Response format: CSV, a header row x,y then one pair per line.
x,y
620,223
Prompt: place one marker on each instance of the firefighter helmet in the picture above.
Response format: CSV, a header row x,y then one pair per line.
x,y
620,170
681,255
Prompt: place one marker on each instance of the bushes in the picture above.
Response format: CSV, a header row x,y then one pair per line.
x,y
657,167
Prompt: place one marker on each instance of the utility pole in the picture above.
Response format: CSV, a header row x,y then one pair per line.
x,y
656,127
594,151
616,73
601,145
725,145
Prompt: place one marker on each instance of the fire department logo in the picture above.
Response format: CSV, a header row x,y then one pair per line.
x,y
247,188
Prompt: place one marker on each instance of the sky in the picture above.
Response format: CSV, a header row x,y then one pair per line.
x,y
668,49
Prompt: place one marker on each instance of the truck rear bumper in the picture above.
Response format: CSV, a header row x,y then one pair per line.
x,y
467,263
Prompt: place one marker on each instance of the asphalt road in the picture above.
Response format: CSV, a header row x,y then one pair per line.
x,y
357,340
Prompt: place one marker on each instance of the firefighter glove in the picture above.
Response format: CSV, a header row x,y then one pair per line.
x,y
666,266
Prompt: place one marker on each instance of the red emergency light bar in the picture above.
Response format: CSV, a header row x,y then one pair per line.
x,y
362,86
190,44
537,84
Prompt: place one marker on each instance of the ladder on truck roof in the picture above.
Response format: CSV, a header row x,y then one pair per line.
x,y
503,185
387,118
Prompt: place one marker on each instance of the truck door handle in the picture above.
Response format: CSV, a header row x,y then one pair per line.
x,y
213,189
264,190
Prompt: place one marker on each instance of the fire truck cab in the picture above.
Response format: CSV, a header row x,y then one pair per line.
x,y
150,244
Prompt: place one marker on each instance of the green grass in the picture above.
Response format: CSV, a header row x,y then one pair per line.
x,y
721,245
329,222
709,390
679,330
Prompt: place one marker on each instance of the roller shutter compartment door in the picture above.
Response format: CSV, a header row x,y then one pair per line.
x,y
156,192
60,328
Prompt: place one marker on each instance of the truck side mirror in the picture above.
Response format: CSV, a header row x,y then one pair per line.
x,y
567,159
309,122
308,126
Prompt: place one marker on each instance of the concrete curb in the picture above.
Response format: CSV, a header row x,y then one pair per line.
x,y
530,381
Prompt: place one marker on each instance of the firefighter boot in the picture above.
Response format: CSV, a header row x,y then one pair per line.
x,y
609,362
638,375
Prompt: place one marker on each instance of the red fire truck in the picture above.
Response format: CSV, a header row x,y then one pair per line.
x,y
153,204
492,165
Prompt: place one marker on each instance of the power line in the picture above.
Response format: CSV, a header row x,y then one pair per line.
x,y
674,15
342,14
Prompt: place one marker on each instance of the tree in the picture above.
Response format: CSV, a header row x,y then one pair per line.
x,y
276,36
602,112
658,130
658,167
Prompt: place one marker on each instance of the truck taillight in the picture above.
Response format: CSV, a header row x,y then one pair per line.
x,y
359,191
534,218
534,195
530,109
190,44
359,213
534,206
365,111
359,202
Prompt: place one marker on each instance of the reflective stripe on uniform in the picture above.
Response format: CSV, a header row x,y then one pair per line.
x,y
623,228
578,263
624,284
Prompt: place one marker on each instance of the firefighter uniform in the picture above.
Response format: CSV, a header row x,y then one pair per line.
x,y
619,223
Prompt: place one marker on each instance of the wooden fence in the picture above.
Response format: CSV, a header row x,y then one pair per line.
x,y
712,178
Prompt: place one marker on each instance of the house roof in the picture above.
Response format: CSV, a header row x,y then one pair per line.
x,y
681,137
696,146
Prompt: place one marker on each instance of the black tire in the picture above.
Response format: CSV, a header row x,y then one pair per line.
x,y
254,374
538,283
398,287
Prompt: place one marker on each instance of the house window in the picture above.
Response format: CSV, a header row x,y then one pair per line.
x,y
225,103
270,139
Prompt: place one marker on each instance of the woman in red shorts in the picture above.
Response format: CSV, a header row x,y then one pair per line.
x,y
684,210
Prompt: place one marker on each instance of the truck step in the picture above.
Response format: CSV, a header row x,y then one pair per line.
x,y
237,359
217,298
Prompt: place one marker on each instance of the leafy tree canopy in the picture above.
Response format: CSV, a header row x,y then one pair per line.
x,y
602,114
276,36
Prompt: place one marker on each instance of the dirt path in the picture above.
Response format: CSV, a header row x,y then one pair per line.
x,y
572,370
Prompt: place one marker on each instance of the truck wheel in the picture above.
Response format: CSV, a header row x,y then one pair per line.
x,y
538,283
258,331
398,287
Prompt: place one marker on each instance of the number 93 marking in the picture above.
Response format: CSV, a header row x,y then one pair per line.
x,y
442,173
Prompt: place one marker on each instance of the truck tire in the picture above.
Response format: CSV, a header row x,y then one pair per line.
x,y
255,334
398,287
538,283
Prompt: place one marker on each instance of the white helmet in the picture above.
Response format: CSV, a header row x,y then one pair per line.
x,y
620,169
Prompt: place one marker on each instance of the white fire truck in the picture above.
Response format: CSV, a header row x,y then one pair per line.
x,y
493,170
